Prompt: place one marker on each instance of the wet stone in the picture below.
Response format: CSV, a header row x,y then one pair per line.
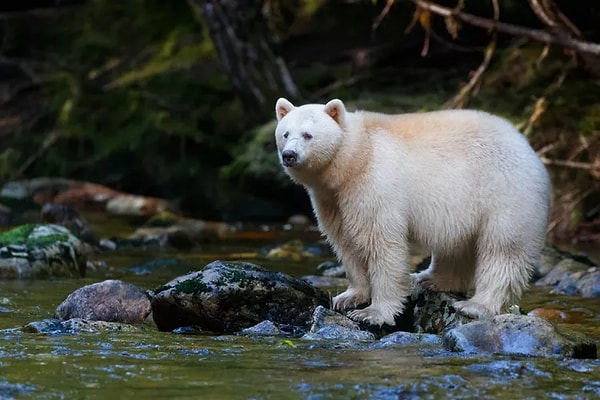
x,y
569,274
325,281
324,317
403,338
111,301
519,334
332,269
75,326
230,296
339,333
41,251
589,284
265,328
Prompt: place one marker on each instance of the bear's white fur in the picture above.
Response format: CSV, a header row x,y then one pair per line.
x,y
463,184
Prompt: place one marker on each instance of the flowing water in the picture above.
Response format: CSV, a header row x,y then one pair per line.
x,y
152,364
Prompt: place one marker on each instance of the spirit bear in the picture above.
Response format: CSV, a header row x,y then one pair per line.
x,y
463,184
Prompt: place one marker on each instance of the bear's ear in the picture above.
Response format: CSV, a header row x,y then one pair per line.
x,y
282,107
336,110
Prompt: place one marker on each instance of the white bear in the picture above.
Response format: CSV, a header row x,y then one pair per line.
x,y
463,184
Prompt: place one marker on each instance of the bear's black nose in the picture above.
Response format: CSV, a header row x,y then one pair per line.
x,y
289,157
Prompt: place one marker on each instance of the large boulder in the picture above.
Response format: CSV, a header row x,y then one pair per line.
x,y
230,296
519,334
41,251
110,301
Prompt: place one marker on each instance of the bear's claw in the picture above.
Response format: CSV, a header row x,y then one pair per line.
x,y
373,316
350,298
472,309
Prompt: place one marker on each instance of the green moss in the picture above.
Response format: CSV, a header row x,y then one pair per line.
x,y
232,276
191,286
21,235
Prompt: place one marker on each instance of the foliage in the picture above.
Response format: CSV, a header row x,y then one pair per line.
x,y
135,98
142,105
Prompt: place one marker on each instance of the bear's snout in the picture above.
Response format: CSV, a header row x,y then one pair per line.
x,y
289,158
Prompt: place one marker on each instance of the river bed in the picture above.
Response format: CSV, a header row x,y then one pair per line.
x,y
152,364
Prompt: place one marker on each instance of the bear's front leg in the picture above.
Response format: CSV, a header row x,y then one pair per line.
x,y
391,284
358,291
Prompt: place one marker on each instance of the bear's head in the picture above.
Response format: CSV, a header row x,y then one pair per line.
x,y
308,137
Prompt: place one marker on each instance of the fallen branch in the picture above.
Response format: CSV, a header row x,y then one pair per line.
x,y
515,30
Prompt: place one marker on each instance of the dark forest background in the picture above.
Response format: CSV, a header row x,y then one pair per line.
x,y
175,99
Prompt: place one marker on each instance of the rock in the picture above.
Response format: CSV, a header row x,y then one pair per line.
x,y
83,196
432,312
573,277
265,328
41,251
325,317
230,296
132,205
588,284
332,269
561,271
325,281
551,256
329,324
293,250
425,312
110,301
339,333
403,338
74,326
170,230
519,334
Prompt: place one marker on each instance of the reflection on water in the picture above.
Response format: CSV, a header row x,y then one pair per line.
x,y
162,365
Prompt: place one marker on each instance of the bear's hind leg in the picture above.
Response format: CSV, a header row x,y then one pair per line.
x,y
502,272
448,273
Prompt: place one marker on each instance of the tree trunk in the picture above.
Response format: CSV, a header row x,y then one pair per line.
x,y
247,51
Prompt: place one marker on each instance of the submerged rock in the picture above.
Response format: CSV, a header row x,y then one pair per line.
x,y
339,333
230,296
110,301
519,334
74,326
41,251
403,338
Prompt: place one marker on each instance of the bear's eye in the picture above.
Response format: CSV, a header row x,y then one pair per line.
x,y
285,135
307,136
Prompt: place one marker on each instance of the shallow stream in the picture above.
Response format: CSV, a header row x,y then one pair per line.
x,y
152,364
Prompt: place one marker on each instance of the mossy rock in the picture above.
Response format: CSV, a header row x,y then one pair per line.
x,y
41,251
230,296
